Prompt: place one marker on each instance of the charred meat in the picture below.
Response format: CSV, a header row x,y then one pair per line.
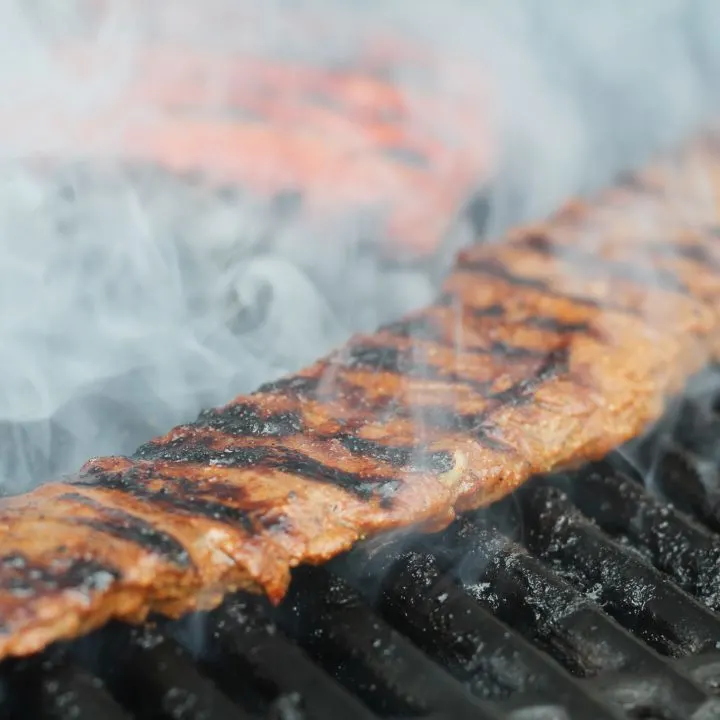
x,y
546,349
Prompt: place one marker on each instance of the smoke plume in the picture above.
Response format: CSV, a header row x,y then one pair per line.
x,y
131,296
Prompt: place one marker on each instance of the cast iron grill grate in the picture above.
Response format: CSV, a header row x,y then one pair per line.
x,y
584,595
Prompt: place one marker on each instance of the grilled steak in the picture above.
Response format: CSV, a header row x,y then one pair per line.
x,y
347,141
547,349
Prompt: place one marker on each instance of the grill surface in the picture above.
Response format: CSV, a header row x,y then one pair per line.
x,y
581,596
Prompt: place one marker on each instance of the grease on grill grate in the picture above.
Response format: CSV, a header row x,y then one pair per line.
x,y
581,596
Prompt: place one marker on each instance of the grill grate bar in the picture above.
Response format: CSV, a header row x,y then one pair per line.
x,y
426,604
677,479
243,627
635,593
540,711
685,551
705,670
393,676
69,693
650,696
524,593
164,678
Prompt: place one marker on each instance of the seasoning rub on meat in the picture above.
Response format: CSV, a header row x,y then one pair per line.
x,y
547,348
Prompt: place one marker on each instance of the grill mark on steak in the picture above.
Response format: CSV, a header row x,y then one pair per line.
x,y
440,417
385,358
428,330
553,324
197,450
495,268
450,299
692,251
412,458
531,320
414,362
556,364
394,360
407,362
177,496
125,526
508,351
428,327
595,264
417,328
271,457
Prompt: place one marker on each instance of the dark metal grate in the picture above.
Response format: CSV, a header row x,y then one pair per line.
x,y
581,596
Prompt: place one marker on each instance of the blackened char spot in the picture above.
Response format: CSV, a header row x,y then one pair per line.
x,y
475,425
177,495
125,526
556,364
494,310
294,462
421,327
22,578
547,322
243,419
298,385
185,448
511,352
380,358
410,458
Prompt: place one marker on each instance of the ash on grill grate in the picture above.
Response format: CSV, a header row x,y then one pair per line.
x,y
583,595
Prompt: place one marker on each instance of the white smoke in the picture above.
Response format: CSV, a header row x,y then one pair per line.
x,y
130,297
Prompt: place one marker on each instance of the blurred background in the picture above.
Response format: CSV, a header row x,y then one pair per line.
x,y
199,197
